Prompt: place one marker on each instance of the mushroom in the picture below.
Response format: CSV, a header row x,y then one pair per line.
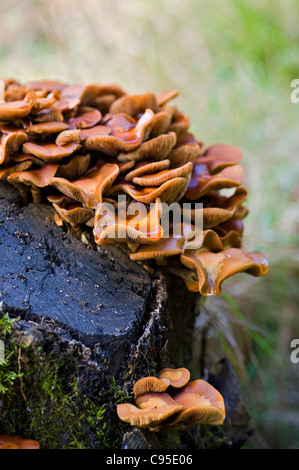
x,y
154,149
80,135
168,192
74,214
145,167
86,117
175,378
182,154
93,144
46,128
10,143
33,179
203,182
163,248
134,104
220,156
122,141
213,268
160,177
14,442
165,96
154,408
131,227
89,188
17,109
49,152
149,384
201,404
180,123
22,166
161,121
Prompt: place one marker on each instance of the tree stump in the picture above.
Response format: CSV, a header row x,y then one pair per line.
x,y
80,324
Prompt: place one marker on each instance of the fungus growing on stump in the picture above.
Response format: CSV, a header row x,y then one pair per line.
x,y
79,147
175,403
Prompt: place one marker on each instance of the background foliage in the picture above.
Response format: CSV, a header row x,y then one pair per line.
x,y
233,63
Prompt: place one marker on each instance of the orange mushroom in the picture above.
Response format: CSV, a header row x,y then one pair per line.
x,y
89,188
134,104
49,152
154,408
18,109
122,141
14,442
176,378
154,149
201,404
213,268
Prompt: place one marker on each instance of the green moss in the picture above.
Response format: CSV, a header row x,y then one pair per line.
x,y
41,398
8,373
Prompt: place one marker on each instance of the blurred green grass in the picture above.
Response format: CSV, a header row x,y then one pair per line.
x,y
233,63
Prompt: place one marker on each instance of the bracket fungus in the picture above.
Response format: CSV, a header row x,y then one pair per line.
x,y
170,400
78,147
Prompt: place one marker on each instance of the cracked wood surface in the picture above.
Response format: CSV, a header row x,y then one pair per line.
x,y
101,296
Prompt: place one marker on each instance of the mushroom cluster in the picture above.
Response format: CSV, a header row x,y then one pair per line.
x,y
171,401
116,162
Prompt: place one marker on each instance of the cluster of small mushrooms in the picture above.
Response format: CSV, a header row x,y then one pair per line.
x,y
80,147
171,401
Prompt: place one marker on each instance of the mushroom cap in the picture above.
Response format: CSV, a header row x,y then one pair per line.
x,y
176,378
165,96
50,152
180,123
148,384
153,149
145,167
22,166
10,143
89,188
203,182
221,156
14,442
134,104
122,141
170,191
39,177
154,409
74,214
160,177
213,268
136,225
163,248
17,109
46,128
86,117
161,121
202,404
